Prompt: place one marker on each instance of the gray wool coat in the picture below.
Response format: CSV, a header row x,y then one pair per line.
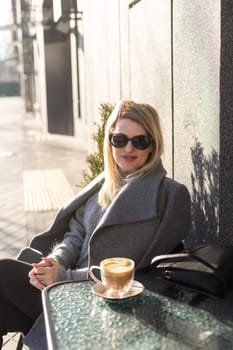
x,y
148,217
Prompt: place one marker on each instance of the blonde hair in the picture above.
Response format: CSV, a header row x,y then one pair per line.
x,y
145,115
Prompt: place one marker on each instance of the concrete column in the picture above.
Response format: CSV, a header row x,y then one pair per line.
x,y
226,125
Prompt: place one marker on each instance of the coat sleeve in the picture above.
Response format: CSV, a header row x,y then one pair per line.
x,y
73,274
68,251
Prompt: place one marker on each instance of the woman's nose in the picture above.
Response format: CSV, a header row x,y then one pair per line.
x,y
129,147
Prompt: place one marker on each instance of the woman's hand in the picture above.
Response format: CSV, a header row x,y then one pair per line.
x,y
44,273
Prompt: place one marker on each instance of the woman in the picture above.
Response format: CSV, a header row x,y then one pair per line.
x,y
132,209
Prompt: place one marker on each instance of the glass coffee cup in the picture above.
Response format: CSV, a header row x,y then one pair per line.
x,y
117,275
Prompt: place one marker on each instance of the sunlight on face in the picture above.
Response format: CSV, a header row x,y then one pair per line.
x,y
129,158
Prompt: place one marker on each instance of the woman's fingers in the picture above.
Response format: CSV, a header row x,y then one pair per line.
x,y
36,282
44,273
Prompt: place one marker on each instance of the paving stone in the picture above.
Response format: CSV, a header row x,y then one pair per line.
x,y
23,147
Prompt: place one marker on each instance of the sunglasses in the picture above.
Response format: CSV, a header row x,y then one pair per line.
x,y
140,141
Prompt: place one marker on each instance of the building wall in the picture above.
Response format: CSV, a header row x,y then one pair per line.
x,y
166,53
196,90
99,62
150,62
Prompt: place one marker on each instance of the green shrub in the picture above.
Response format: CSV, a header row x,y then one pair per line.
x,y
95,160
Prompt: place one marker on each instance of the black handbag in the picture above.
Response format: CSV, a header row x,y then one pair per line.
x,y
206,268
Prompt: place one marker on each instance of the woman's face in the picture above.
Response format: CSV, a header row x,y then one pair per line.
x,y
129,158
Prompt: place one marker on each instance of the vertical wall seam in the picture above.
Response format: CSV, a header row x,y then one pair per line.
x,y
129,53
172,93
119,45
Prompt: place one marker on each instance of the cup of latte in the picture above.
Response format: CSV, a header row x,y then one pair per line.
x,y
117,275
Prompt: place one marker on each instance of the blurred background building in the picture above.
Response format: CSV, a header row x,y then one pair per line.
x,y
74,55
9,75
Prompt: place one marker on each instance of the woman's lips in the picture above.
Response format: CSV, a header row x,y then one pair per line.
x,y
129,158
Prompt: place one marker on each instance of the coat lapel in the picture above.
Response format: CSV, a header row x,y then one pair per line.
x,y
84,194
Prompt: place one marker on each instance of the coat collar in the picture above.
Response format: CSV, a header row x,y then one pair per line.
x,y
136,200
85,193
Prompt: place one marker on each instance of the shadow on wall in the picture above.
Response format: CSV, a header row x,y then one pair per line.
x,y
205,196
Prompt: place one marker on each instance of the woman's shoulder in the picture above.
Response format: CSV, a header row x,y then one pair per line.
x,y
170,182
171,186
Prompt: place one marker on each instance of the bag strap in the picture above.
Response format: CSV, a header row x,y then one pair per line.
x,y
161,258
179,257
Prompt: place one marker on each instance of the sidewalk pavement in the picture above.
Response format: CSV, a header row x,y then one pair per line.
x,y
38,173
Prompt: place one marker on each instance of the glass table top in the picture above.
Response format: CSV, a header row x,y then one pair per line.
x,y
163,317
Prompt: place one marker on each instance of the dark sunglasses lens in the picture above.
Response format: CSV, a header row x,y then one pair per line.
x,y
142,141
118,140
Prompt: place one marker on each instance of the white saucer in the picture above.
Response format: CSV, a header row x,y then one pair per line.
x,y
100,290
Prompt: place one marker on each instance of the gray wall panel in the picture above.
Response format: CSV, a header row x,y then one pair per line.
x,y
196,58
150,62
